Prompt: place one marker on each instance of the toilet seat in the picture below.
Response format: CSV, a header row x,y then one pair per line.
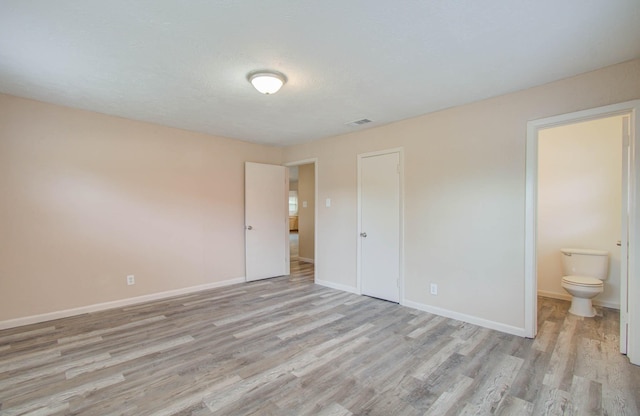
x,y
585,281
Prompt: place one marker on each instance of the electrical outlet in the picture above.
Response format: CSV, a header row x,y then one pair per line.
x,y
131,279
434,288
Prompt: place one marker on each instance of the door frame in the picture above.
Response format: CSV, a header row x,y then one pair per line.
x,y
631,109
400,151
313,161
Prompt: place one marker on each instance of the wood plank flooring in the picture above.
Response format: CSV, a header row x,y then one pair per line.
x,y
285,346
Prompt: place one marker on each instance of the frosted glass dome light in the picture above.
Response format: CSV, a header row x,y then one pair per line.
x,y
267,82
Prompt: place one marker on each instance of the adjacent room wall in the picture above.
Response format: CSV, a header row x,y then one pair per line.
x,y
579,200
306,214
293,187
464,195
87,199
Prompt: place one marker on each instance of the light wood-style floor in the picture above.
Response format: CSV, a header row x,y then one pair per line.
x,y
286,346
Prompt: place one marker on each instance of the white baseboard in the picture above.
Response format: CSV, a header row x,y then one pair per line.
x,y
566,296
513,330
554,295
438,311
27,320
338,286
306,260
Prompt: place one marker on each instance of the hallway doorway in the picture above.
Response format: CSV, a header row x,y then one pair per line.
x,y
302,216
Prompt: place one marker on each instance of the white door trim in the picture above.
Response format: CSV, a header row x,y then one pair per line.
x,y
400,151
624,237
630,108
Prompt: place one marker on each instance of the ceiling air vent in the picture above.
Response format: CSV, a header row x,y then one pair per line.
x,y
358,123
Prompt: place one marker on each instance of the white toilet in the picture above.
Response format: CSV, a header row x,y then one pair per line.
x,y
584,271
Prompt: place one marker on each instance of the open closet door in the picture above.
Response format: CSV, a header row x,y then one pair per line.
x,y
266,221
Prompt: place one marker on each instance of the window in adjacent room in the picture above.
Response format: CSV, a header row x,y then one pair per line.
x,y
293,202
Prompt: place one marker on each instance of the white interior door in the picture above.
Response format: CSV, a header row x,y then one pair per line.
x,y
379,248
266,221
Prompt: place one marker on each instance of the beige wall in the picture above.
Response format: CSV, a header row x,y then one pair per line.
x,y
464,194
579,199
306,215
88,199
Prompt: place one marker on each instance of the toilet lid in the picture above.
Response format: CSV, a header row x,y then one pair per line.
x,y
582,280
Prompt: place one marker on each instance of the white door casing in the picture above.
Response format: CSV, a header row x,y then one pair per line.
x,y
266,221
379,219
624,235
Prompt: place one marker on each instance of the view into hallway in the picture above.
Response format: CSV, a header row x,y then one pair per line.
x,y
300,270
294,242
302,209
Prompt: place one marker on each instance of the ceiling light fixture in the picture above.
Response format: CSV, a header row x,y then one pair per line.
x,y
267,82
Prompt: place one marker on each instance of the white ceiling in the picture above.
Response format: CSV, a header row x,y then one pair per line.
x,y
184,63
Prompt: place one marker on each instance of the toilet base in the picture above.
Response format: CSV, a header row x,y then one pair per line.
x,y
582,307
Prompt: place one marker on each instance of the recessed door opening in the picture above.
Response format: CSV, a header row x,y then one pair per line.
x,y
302,218
584,195
579,206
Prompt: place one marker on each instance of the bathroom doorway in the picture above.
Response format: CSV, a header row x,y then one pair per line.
x,y
579,202
629,231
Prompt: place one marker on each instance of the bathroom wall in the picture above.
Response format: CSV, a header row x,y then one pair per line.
x,y
579,200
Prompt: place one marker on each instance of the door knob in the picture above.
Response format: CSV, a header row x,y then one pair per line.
x,y
363,235
619,243
249,227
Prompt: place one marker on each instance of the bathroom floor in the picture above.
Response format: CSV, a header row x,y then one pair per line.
x,y
580,357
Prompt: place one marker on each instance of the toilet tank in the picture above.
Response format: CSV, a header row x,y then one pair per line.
x,y
585,262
